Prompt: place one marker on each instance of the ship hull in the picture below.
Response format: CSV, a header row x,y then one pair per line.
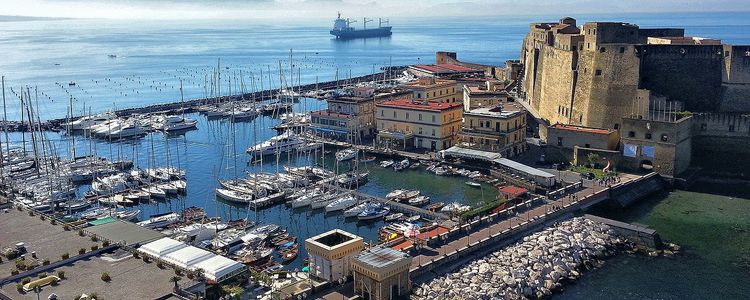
x,y
366,33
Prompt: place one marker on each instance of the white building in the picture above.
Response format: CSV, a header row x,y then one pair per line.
x,y
330,254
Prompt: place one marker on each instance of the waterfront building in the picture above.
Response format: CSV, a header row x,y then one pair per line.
x,y
657,143
349,118
216,268
433,90
381,273
330,254
570,136
500,129
491,94
418,123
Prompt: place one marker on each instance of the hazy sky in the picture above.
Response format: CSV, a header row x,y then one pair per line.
x,y
314,9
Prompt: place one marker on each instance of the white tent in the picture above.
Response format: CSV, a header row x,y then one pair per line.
x,y
218,268
161,247
187,257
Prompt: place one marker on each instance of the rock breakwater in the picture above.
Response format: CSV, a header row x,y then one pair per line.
x,y
532,268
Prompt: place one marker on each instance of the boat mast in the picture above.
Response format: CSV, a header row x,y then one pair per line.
x,y
5,125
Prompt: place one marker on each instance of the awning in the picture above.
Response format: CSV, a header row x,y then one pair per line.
x,y
457,151
322,129
395,134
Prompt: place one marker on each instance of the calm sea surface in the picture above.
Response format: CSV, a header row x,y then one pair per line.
x,y
152,57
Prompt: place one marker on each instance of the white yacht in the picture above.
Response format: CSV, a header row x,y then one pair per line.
x,y
356,210
160,220
234,196
346,154
88,121
323,201
342,203
280,143
174,123
306,199
127,130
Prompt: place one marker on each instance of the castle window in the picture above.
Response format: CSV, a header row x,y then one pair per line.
x,y
664,138
394,114
381,112
588,45
407,116
631,134
648,136
420,117
580,47
602,49
580,119
622,49
419,95
617,126
598,72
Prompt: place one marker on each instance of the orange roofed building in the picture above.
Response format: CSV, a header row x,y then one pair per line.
x,y
414,123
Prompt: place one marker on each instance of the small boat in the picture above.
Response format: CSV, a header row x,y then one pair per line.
x,y
402,165
285,241
395,194
394,217
435,206
155,192
455,207
368,159
419,200
386,163
408,195
290,255
346,154
473,184
356,210
373,211
342,203
413,218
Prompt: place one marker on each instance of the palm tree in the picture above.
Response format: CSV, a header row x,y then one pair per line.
x,y
175,280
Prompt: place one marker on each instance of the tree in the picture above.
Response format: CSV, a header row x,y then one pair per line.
x,y
593,159
65,256
175,280
61,274
105,277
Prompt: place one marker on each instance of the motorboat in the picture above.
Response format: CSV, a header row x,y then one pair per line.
x,y
342,203
160,220
373,211
346,154
435,206
323,201
394,217
402,165
368,159
387,163
88,121
281,143
305,200
356,210
351,180
174,123
455,207
408,194
473,184
155,192
395,194
128,130
419,200
165,173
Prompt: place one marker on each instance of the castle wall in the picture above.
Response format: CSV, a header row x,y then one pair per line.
x,y
735,86
557,85
691,74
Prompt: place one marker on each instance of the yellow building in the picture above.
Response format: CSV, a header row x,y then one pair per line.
x,y
381,273
421,124
330,254
501,129
434,90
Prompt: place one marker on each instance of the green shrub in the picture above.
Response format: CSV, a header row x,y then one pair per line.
x,y
94,247
14,272
94,238
41,275
66,227
21,264
136,255
160,265
190,275
19,287
45,262
19,208
146,259
105,244
53,222
26,280
61,274
105,277
80,232
81,251
41,217
177,272
65,256
31,213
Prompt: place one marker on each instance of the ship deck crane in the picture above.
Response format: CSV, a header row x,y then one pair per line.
x,y
365,21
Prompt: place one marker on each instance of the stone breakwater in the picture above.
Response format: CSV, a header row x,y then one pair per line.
x,y
532,268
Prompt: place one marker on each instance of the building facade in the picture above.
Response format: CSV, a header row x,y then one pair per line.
x,y
501,129
330,254
434,90
346,118
570,136
381,273
418,123
490,95
659,145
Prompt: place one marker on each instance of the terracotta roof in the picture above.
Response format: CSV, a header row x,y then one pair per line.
x,y
409,103
457,68
512,191
582,129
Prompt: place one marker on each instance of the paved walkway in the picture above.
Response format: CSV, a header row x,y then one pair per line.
x,y
589,188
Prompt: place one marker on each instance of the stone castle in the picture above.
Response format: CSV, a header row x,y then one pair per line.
x,y
595,74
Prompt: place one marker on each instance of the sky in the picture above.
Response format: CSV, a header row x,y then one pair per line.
x,y
317,9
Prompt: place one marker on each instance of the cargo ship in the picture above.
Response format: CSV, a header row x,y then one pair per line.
x,y
342,29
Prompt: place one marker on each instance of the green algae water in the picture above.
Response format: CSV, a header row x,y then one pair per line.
x,y
714,232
